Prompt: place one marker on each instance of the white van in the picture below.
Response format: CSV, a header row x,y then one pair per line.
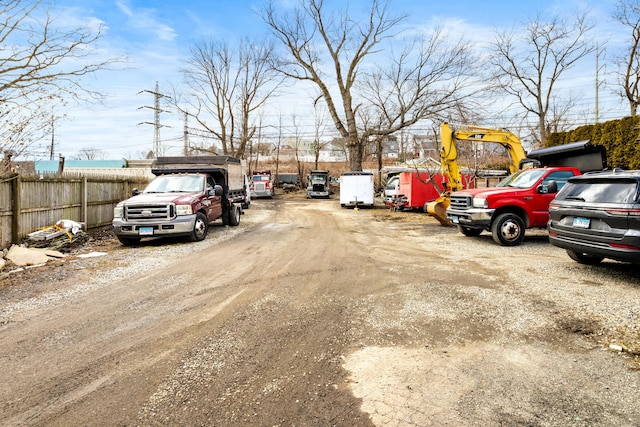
x,y
391,190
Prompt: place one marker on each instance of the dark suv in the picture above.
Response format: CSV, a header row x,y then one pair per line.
x,y
597,216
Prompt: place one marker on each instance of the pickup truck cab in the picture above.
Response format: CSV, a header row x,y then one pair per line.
x,y
518,202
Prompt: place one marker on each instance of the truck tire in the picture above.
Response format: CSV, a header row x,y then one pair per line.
x,y
200,228
128,241
508,229
233,213
584,258
468,231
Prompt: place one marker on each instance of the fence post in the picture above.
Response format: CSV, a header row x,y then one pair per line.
x,y
16,207
84,209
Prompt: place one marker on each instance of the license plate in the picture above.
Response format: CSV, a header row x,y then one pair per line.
x,y
580,222
455,219
145,231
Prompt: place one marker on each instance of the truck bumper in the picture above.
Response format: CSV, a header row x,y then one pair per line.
x,y
259,194
477,218
354,203
318,193
180,226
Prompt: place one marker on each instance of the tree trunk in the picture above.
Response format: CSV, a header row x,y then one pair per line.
x,y
543,131
355,156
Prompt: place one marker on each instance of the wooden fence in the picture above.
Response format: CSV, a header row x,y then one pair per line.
x,y
31,203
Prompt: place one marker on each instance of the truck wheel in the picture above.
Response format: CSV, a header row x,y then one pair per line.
x,y
129,241
508,229
584,258
234,213
468,231
200,228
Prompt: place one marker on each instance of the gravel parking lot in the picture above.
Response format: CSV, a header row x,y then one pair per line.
x,y
312,314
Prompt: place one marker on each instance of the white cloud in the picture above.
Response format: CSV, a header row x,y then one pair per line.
x,y
144,20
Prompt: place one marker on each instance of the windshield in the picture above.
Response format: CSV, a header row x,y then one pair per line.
x,y
393,182
522,179
176,184
318,178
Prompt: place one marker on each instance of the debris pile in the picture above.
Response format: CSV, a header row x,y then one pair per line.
x,y
45,244
63,236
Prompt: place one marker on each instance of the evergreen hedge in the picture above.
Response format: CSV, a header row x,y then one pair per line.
x,y
621,138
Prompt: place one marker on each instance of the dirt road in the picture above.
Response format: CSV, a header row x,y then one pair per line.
x,y
309,314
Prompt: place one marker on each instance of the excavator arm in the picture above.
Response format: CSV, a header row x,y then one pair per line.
x,y
449,160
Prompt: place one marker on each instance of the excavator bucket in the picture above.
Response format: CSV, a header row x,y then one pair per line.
x,y
438,210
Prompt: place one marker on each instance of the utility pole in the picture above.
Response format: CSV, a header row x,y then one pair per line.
x,y
185,150
598,83
53,139
157,148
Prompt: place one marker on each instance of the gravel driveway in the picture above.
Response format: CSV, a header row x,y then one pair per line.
x,y
309,314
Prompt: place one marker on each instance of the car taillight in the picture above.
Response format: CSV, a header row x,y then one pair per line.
x,y
623,212
629,247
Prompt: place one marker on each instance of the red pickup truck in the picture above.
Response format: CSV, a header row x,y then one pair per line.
x,y
518,202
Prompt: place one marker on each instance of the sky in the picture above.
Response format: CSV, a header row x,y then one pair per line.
x,y
156,36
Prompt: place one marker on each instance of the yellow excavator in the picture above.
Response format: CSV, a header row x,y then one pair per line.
x,y
449,160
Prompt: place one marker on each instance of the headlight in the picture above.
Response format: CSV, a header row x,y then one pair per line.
x,y
183,210
479,202
118,212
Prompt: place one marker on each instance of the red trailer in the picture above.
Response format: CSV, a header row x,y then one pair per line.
x,y
419,188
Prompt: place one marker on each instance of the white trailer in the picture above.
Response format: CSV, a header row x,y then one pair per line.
x,y
356,189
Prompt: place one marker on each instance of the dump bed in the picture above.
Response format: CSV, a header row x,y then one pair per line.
x,y
581,155
227,168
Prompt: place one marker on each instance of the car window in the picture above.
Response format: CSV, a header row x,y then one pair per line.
x,y
210,184
601,192
560,177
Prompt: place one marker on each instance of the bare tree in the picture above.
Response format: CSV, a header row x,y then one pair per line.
x,y
528,66
41,65
91,154
627,12
318,131
312,34
427,78
298,144
229,84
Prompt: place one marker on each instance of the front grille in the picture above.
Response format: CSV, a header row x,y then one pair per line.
x,y
259,187
166,211
460,201
318,187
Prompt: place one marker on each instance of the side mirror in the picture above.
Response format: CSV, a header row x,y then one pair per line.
x,y
549,188
217,190
135,192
